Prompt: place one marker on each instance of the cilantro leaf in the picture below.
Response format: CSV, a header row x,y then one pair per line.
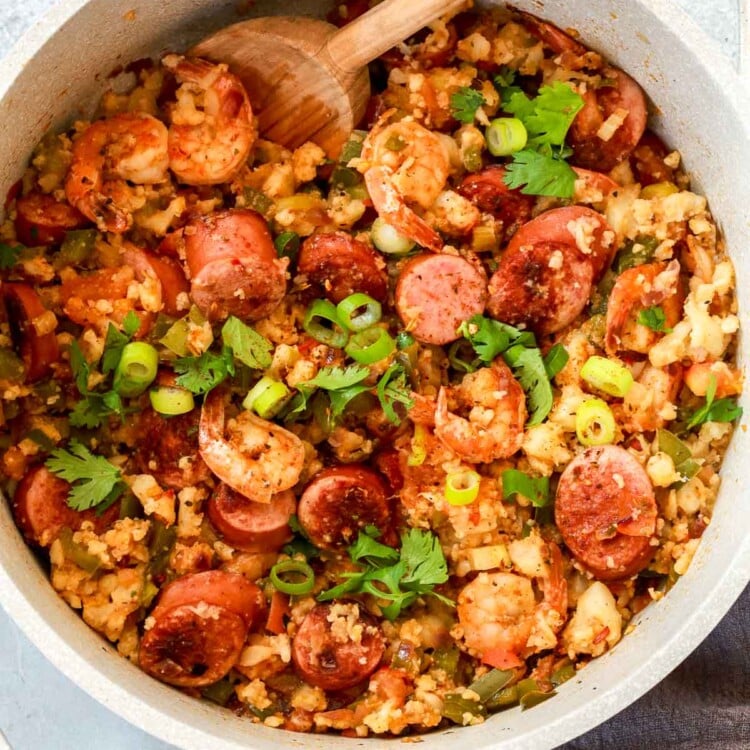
x,y
336,378
202,374
247,345
9,255
535,489
341,398
528,367
392,389
413,571
723,410
465,102
94,479
490,337
80,367
555,359
538,174
504,78
549,115
654,318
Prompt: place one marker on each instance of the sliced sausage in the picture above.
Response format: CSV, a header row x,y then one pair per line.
x,y
341,500
233,265
191,646
435,293
606,512
40,507
618,95
168,449
546,273
489,193
251,526
41,220
337,265
647,160
215,588
337,646
167,270
38,351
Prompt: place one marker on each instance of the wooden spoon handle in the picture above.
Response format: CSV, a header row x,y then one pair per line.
x,y
388,23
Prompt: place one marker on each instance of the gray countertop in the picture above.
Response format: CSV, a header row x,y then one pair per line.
x,y
40,709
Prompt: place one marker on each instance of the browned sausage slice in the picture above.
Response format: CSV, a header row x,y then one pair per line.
x,y
647,160
487,191
191,646
233,265
337,646
251,526
168,449
39,351
545,276
606,512
435,293
338,265
215,588
341,500
41,220
41,510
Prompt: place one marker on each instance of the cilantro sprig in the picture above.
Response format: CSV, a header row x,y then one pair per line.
x,y
540,168
9,255
96,483
654,318
723,410
465,102
396,576
492,338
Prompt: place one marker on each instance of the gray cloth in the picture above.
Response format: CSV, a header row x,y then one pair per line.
x,y
703,705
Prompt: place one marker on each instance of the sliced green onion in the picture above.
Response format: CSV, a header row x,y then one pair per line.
x,y
136,369
418,452
462,487
320,312
472,159
404,340
505,136
607,376
267,397
171,400
534,489
595,423
77,553
673,447
219,692
370,346
293,569
352,315
388,239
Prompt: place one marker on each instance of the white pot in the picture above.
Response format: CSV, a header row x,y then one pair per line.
x,y
62,64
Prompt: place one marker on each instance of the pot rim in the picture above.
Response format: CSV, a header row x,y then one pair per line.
x,y
683,638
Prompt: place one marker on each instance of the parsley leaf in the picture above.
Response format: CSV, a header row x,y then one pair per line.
x,y
538,174
392,389
247,345
413,571
94,479
723,410
202,374
9,255
464,104
654,318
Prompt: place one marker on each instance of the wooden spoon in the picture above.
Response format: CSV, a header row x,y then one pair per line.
x,y
307,80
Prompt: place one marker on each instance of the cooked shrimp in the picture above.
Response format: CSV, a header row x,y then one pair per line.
x,y
211,127
499,616
635,290
129,147
404,163
728,379
649,404
496,408
258,460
